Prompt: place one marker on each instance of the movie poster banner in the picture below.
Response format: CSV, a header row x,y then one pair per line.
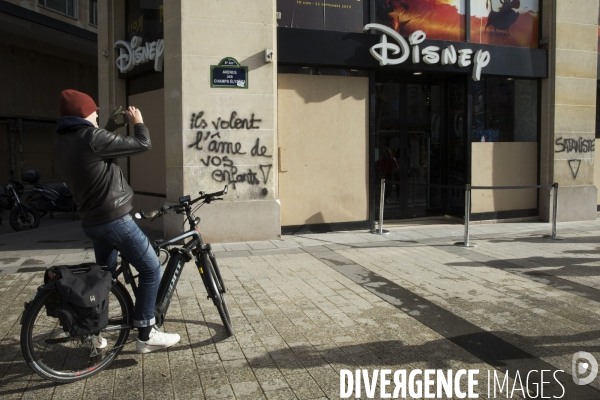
x,y
505,22
330,15
499,22
439,19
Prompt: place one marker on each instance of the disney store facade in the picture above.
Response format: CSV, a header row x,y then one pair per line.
x,y
430,95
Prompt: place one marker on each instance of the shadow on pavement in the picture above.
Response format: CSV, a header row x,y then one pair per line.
x,y
540,239
17,371
561,265
66,236
596,251
438,354
394,352
13,368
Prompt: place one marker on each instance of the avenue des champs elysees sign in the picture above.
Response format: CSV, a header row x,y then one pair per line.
x,y
429,55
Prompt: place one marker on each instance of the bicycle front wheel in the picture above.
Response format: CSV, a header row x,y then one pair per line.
x,y
215,286
56,356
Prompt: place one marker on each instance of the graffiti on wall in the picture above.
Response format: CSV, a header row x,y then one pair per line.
x,y
225,156
580,145
574,165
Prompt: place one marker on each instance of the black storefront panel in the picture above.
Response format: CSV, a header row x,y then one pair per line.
x,y
352,50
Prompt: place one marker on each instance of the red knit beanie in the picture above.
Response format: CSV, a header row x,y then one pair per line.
x,y
77,104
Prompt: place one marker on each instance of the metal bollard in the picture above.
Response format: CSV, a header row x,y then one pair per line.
x,y
467,213
555,210
380,231
554,214
466,242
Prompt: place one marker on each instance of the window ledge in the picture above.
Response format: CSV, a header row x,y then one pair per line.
x,y
58,12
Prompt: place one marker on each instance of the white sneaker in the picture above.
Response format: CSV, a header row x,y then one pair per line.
x,y
158,340
100,342
95,342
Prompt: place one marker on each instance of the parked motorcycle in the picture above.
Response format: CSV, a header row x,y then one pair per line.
x,y
22,217
45,199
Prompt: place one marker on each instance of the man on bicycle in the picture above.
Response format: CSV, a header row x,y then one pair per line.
x,y
87,162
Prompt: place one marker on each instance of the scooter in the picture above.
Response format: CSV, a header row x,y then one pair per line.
x,y
22,217
45,199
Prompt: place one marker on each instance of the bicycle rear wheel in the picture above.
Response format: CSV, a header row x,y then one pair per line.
x,y
218,296
56,356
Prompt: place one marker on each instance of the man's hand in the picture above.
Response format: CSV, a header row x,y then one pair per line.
x,y
134,115
112,125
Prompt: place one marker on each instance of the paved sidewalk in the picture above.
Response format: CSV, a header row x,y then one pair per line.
x,y
307,306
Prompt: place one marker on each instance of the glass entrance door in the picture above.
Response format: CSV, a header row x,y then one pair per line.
x,y
420,142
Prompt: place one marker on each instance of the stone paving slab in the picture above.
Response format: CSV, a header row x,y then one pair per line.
x,y
307,306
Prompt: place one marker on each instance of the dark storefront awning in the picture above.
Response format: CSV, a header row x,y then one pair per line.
x,y
351,50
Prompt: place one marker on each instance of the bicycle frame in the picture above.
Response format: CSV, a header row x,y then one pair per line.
x,y
182,254
172,273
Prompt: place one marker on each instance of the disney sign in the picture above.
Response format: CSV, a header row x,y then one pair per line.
x,y
430,54
133,54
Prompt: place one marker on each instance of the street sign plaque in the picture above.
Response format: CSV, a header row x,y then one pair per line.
x,y
229,74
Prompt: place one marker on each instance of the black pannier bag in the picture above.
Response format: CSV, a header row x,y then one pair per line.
x,y
80,300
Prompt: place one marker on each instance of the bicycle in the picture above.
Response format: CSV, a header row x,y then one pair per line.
x,y
56,356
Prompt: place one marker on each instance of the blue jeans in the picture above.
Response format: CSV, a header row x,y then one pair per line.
x,y
124,236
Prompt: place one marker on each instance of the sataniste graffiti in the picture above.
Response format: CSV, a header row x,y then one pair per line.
x,y
579,145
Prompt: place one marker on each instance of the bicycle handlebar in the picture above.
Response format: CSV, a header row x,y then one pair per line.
x,y
207,197
210,196
221,193
143,215
157,213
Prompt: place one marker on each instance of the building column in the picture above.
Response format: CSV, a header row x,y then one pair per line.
x,y
569,108
222,136
111,89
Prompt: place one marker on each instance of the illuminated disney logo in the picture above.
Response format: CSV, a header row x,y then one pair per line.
x,y
133,54
430,54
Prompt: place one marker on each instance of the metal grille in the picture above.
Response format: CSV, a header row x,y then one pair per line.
x,y
5,159
27,144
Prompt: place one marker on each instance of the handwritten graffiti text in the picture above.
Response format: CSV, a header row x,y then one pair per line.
x,y
223,154
580,145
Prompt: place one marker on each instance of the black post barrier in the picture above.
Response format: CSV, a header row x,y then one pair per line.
x,y
554,214
466,242
555,211
380,231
